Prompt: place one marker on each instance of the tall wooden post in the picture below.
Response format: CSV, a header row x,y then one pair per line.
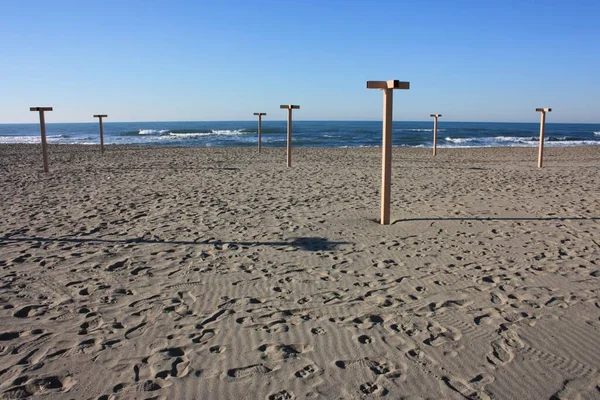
x,y
43,132
289,107
100,116
542,128
435,118
259,128
386,165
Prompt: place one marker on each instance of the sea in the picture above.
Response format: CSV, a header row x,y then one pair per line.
x,y
306,134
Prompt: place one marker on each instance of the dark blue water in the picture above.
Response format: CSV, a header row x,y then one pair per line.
x,y
307,133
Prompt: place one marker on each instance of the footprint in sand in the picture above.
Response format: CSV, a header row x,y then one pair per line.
x,y
9,335
310,371
364,339
442,306
43,385
379,366
578,388
481,381
117,265
367,321
30,311
146,386
205,336
250,370
136,331
500,354
463,387
277,326
282,352
218,349
282,395
373,389
440,335
318,331
169,362
498,298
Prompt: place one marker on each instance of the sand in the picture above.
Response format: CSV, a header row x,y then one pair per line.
x,y
199,273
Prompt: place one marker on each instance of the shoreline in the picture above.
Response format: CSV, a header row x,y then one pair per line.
x,y
28,154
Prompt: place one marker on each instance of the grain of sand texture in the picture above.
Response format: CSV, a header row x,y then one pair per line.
x,y
193,273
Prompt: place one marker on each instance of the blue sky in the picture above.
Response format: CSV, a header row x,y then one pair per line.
x,y
153,60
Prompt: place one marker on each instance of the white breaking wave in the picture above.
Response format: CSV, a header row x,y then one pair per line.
x,y
152,131
512,141
185,135
227,132
490,140
597,133
20,139
460,140
223,132
30,139
568,143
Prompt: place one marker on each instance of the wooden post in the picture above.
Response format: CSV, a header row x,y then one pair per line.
x,y
542,128
43,132
289,107
259,128
100,116
435,118
386,165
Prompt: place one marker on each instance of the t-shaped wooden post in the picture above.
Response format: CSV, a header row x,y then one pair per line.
x,y
386,165
100,116
435,117
259,128
43,131
542,127
289,107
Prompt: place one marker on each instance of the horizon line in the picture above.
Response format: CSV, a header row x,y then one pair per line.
x,y
296,120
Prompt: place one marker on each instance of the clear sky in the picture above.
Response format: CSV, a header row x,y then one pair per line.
x,y
157,60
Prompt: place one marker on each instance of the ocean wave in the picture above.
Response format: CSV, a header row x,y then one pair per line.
x,y
573,143
227,132
212,132
195,130
509,139
185,135
19,139
497,139
33,139
516,141
152,131
460,140
596,133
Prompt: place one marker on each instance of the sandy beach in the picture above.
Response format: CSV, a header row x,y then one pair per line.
x,y
219,273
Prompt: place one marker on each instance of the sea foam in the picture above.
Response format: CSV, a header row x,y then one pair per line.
x,y
152,131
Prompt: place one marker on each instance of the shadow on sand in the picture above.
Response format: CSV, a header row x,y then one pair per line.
x,y
301,243
397,221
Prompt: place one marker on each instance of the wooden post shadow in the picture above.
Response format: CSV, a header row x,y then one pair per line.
x,y
542,128
289,107
259,128
100,116
386,164
435,120
41,110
